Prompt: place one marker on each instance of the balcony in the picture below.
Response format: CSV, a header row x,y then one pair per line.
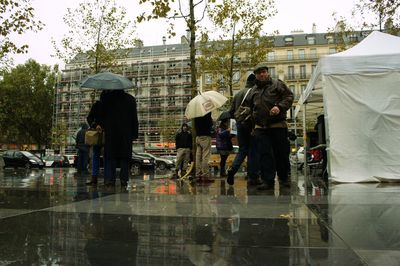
x,y
295,77
305,57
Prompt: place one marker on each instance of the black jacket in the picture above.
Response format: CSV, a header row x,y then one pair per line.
x,y
120,123
204,125
183,139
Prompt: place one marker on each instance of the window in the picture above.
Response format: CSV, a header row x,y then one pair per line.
x,y
292,88
272,72
302,54
288,40
313,68
332,50
330,39
290,72
208,79
353,38
236,76
302,71
313,53
289,54
271,56
311,40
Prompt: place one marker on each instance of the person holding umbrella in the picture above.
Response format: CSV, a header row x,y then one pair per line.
x,y
119,122
200,108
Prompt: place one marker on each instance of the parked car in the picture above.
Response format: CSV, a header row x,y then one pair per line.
x,y
161,163
142,162
215,158
16,158
137,162
71,159
56,160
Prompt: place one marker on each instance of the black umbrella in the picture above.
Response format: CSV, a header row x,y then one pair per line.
x,y
224,115
106,81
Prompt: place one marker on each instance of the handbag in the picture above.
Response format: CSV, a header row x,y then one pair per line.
x,y
94,137
243,114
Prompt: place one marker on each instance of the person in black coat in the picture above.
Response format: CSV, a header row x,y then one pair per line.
x,y
120,125
183,144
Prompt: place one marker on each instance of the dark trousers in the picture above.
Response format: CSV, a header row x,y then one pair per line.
x,y
111,170
279,141
83,157
263,160
224,156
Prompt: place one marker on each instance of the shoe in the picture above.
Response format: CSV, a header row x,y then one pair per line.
x,y
266,186
230,179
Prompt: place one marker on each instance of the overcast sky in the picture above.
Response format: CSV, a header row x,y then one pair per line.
x,y
292,15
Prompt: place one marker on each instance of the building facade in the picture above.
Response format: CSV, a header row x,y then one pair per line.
x,y
161,75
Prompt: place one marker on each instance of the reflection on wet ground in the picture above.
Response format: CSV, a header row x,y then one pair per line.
x,y
50,217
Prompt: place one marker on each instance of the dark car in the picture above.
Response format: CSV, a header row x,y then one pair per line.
x,y
141,162
16,158
137,162
56,160
161,163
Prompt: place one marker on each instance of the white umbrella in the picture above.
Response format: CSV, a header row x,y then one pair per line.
x,y
204,103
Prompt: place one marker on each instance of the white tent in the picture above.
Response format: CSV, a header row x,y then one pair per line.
x,y
361,97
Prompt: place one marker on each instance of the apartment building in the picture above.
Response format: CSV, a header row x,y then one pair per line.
x,y
161,75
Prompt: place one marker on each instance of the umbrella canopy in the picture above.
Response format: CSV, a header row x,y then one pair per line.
x,y
204,103
224,115
106,81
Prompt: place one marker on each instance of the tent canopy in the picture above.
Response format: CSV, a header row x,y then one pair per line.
x,y
361,96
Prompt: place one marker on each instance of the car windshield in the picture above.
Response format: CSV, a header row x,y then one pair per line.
x,y
28,154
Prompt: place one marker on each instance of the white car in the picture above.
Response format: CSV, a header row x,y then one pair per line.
x,y
56,160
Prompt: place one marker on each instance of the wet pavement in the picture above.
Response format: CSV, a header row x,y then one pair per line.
x,y
50,217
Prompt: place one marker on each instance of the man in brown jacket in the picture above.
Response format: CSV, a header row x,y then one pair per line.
x,y
269,101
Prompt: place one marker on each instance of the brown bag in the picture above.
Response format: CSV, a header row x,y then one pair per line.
x,y
94,137
243,114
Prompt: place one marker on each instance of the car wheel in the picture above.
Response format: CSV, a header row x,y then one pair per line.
x,y
135,167
162,165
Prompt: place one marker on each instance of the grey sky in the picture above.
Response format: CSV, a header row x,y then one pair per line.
x,y
292,15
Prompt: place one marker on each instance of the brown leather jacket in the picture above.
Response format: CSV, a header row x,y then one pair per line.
x,y
267,95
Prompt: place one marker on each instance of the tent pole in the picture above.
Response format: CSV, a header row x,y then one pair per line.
x,y
306,179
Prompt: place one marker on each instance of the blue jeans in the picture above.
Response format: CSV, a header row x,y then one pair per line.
x,y
111,170
264,160
243,138
96,160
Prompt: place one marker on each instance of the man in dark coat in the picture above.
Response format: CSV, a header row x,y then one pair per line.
x,y
120,124
183,144
269,102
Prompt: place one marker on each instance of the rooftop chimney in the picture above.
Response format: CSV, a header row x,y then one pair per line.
x,y
164,39
314,28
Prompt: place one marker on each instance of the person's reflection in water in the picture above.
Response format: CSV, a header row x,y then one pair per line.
x,y
262,242
81,189
112,240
